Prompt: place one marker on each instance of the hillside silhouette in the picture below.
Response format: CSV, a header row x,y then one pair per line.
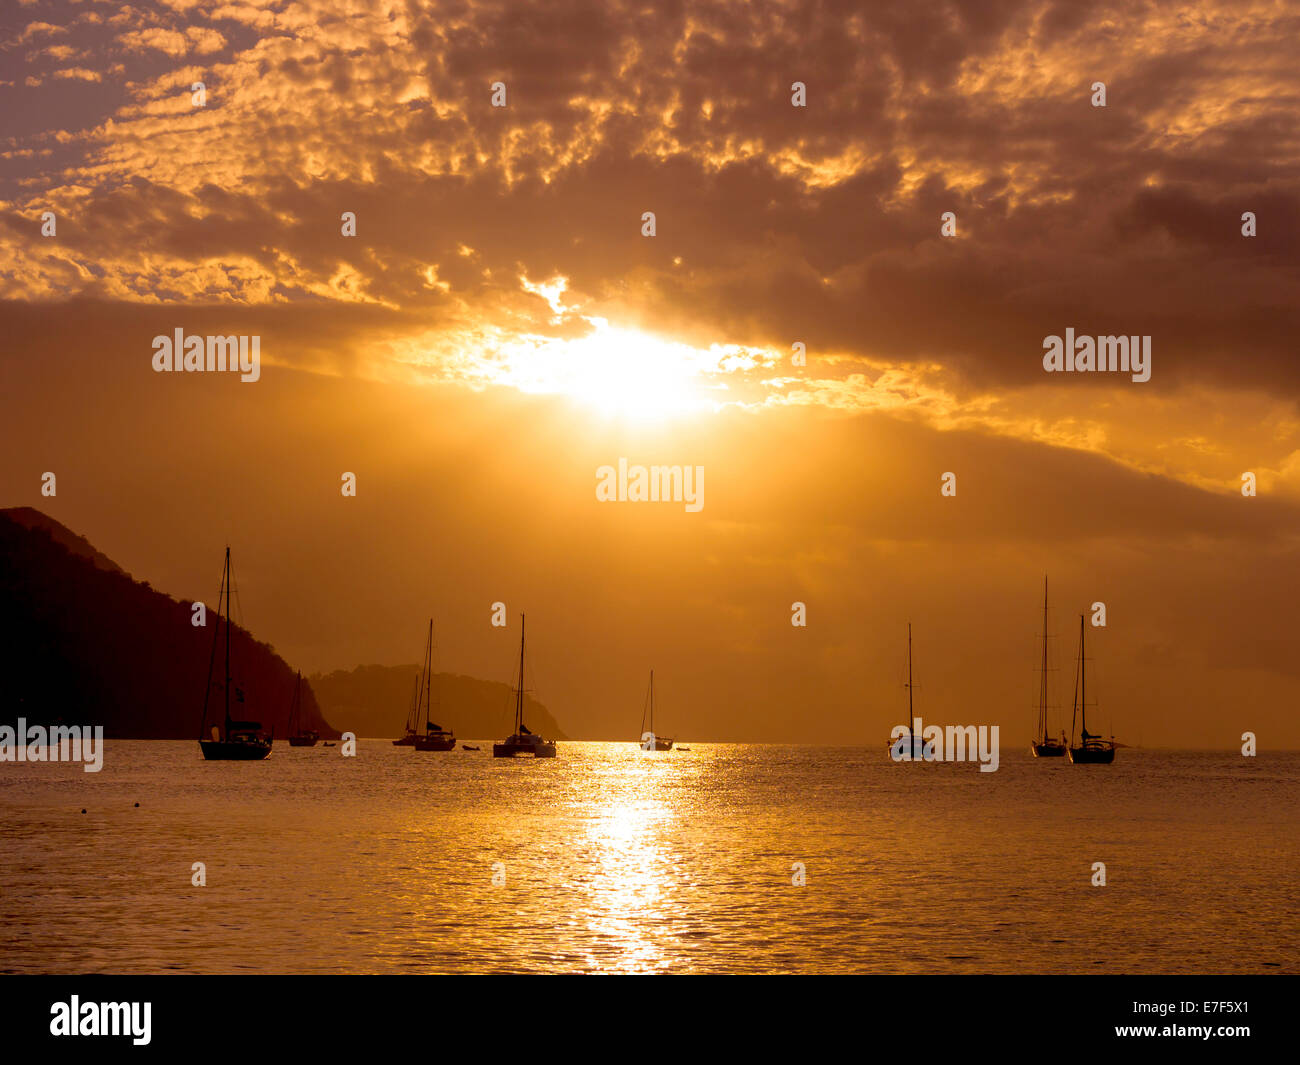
x,y
374,700
83,643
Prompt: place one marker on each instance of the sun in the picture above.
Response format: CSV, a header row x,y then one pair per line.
x,y
617,372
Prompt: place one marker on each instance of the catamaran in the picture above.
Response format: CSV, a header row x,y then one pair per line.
x,y
236,741
432,737
299,736
650,740
912,747
1092,750
1043,745
522,742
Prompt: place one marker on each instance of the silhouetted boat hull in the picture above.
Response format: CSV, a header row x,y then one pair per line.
x,y
1093,754
235,750
911,749
436,741
1050,749
304,739
405,741
523,746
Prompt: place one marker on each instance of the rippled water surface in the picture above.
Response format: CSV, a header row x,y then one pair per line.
x,y
614,860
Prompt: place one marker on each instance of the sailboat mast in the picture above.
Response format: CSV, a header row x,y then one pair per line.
x,y
427,682
652,701
1042,691
519,696
227,582
911,721
1083,682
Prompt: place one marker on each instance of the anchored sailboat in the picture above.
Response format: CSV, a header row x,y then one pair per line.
x,y
1043,745
408,737
1092,750
912,747
299,736
522,741
432,737
236,741
650,741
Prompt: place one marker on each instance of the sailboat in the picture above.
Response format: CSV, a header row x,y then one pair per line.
x,y
408,737
299,736
522,741
912,747
432,737
1092,750
236,741
650,741
1045,746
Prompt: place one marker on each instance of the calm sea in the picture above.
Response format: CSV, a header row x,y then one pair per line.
x,y
610,860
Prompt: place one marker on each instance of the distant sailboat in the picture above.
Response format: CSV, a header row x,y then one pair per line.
x,y
1092,750
236,741
408,737
649,739
299,736
912,747
430,737
522,741
1045,746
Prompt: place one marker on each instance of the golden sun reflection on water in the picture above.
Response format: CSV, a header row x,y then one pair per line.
x,y
632,890
609,859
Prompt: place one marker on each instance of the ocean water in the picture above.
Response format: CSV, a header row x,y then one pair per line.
x,y
608,859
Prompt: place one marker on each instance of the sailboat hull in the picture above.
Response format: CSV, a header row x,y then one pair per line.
x,y
304,741
909,749
228,751
435,743
1092,755
513,748
660,744
1047,750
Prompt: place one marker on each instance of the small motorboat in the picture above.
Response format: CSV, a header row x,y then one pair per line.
x,y
467,747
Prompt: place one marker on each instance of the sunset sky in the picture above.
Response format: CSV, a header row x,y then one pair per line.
x,y
499,328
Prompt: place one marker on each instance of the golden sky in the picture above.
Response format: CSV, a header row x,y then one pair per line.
x,y
499,328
